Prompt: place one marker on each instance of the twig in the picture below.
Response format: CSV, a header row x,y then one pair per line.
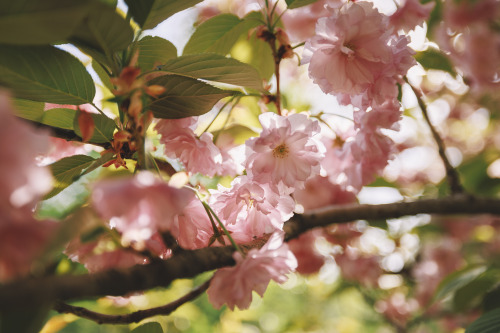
x,y
451,173
36,291
133,317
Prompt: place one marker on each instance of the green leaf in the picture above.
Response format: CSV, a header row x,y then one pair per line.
x,y
103,32
154,51
152,327
62,118
214,67
456,280
97,163
103,130
28,109
149,13
433,59
45,74
487,323
255,52
40,22
220,33
185,97
298,3
67,170
471,294
103,75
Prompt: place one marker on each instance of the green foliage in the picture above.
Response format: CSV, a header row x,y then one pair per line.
x,y
40,22
255,52
220,33
67,170
487,323
185,97
102,32
214,67
434,59
471,294
298,3
457,280
148,328
103,75
103,128
149,13
45,74
154,51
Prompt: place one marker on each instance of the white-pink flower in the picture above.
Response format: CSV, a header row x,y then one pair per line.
x,y
257,208
234,285
410,14
139,206
196,154
353,49
286,151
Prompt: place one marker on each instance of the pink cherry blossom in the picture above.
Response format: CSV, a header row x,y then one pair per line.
x,y
320,192
234,285
300,22
256,208
355,266
410,14
286,151
192,227
23,182
196,154
309,259
354,49
139,206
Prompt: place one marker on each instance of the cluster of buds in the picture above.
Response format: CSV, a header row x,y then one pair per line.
x,y
133,92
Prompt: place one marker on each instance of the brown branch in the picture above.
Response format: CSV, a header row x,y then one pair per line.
x,y
133,317
189,263
451,173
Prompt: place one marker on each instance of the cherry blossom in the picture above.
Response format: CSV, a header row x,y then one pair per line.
x,y
140,205
286,151
234,285
353,49
196,154
257,208
410,14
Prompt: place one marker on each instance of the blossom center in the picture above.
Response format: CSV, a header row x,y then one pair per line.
x,y
348,49
281,151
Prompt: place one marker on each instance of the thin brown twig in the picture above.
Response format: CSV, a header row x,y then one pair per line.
x,y
133,317
451,173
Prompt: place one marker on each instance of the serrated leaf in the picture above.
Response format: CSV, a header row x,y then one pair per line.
x,y
67,170
298,3
102,32
152,327
433,59
185,97
103,130
45,74
149,13
214,67
40,22
220,33
456,280
154,51
487,323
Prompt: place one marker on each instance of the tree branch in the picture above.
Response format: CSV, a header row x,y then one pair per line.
x,y
189,263
133,317
451,173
